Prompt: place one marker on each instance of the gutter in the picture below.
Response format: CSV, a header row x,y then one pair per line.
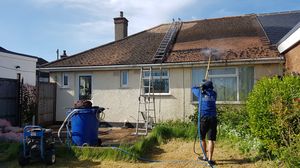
x,y
168,65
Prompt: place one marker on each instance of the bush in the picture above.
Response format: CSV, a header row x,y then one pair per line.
x,y
274,115
29,103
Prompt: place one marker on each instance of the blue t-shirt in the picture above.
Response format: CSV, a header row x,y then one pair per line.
x,y
208,98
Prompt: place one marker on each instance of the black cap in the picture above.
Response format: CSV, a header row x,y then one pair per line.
x,y
208,85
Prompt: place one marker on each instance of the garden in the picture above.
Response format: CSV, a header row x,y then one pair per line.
x,y
265,132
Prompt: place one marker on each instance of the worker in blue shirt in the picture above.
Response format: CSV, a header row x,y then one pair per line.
x,y
208,120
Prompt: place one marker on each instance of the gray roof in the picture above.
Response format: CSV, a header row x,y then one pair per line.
x,y
289,34
277,25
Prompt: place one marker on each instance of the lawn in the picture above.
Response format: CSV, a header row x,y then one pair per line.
x,y
175,153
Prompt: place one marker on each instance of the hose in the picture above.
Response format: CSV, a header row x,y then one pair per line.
x,y
63,124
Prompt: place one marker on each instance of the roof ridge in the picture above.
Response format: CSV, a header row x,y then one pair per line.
x,y
106,44
279,13
219,18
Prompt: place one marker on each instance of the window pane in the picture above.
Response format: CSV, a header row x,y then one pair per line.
x,y
66,81
246,81
124,78
198,74
226,88
159,86
85,87
222,71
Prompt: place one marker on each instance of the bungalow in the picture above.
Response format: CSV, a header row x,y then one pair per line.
x,y
109,75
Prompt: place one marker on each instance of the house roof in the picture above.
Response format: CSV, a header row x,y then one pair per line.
x,y
289,40
228,38
40,61
277,25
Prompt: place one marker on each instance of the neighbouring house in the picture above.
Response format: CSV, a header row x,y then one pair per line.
x,y
241,49
289,46
13,64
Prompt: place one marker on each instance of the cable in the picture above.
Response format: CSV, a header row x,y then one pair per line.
x,y
15,69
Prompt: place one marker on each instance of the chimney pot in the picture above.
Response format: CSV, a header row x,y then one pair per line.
x,y
121,27
64,54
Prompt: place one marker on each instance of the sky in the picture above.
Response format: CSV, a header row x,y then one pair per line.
x,y
40,27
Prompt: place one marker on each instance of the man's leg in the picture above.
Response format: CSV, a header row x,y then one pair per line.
x,y
204,148
211,146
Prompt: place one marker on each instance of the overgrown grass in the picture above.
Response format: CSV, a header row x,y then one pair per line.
x,y
8,150
234,126
161,134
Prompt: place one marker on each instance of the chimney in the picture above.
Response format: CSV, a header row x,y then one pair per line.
x,y
121,24
64,55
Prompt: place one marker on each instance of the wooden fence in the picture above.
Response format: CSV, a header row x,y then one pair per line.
x,y
9,100
46,103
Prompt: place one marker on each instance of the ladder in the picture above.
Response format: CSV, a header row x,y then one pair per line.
x,y
166,42
146,110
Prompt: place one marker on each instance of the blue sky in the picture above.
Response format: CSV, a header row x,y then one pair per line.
x,y
40,27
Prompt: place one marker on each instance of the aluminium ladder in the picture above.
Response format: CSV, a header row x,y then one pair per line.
x,y
166,42
146,111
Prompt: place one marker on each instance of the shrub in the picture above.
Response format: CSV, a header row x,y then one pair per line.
x,y
274,116
29,103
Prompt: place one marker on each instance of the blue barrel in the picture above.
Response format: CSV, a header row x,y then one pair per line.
x,y
84,125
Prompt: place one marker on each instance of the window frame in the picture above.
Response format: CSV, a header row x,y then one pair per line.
x,y
158,77
63,80
236,75
91,88
122,85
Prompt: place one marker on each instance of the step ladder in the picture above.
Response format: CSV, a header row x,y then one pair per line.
x,y
166,42
146,117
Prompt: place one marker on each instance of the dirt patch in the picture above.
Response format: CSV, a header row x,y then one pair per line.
x,y
116,136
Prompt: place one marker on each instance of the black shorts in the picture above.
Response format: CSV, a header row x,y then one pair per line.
x,y
208,126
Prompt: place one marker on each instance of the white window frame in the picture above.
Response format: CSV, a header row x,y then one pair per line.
x,y
122,77
159,77
63,80
236,75
85,75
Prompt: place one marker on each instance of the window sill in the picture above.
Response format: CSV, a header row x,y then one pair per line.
x,y
225,102
125,87
65,87
160,94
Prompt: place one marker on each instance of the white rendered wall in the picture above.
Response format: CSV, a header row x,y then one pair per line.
x,y
27,67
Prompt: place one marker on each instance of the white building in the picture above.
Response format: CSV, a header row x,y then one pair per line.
x,y
12,64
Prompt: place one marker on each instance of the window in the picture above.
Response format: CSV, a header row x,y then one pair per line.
x,y
85,87
231,84
65,80
160,81
124,79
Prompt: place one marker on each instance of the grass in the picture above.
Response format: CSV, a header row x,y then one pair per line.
x,y
8,150
160,134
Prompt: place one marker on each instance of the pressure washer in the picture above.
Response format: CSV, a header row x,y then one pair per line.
x,y
37,144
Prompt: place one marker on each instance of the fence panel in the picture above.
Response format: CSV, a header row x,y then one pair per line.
x,y
46,103
9,108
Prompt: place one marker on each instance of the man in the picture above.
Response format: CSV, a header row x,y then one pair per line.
x,y
208,119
